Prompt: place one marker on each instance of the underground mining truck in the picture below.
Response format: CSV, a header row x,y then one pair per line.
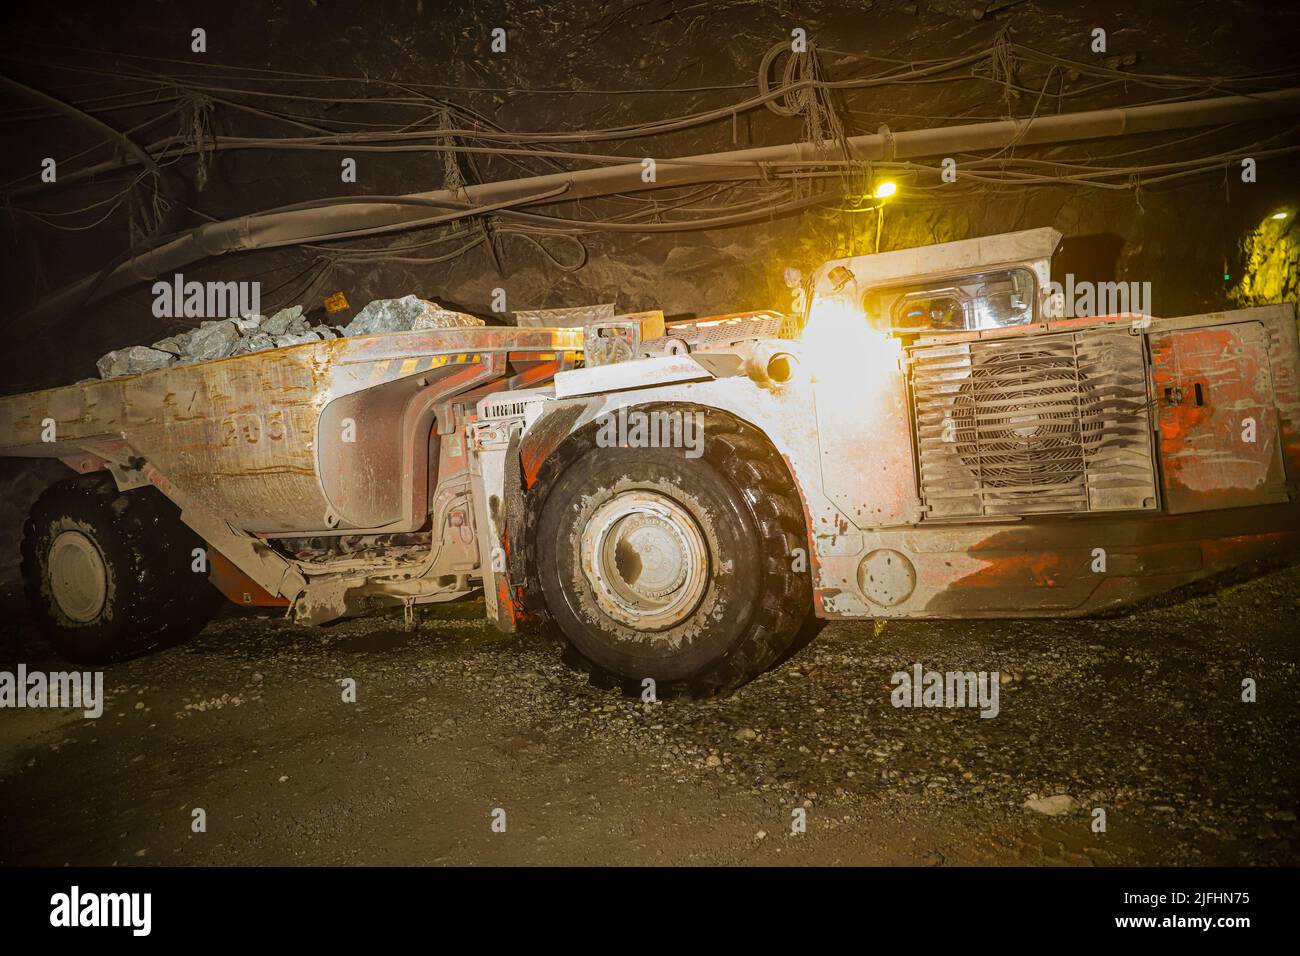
x,y
937,437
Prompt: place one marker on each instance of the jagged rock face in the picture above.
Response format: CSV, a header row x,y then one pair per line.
x,y
1270,263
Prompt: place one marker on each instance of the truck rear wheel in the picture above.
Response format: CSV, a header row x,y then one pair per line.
x,y
654,565
108,573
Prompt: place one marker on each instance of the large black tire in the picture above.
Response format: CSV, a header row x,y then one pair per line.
x,y
751,603
109,574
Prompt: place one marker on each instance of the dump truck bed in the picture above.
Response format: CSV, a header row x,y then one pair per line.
x,y
241,435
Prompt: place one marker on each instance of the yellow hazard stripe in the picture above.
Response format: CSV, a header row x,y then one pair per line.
x,y
400,368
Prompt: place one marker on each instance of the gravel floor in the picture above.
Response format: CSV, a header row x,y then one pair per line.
x,y
456,726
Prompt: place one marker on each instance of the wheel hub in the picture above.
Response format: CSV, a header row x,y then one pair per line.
x,y
646,560
78,576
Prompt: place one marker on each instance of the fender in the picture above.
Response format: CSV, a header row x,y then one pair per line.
x,y
778,412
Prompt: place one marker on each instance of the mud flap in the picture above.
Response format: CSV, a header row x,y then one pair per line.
x,y
494,474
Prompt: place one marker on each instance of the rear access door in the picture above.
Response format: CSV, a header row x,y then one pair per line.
x,y
1219,408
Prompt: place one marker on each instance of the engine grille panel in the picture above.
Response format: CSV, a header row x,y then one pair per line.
x,y
1034,425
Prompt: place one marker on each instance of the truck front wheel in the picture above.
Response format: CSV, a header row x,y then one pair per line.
x,y
684,570
109,574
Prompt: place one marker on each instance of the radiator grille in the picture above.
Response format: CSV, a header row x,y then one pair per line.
x,y
1031,425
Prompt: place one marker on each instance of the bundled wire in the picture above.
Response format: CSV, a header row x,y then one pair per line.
x,y
788,84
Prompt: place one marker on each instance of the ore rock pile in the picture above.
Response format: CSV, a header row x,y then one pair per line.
x,y
220,338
